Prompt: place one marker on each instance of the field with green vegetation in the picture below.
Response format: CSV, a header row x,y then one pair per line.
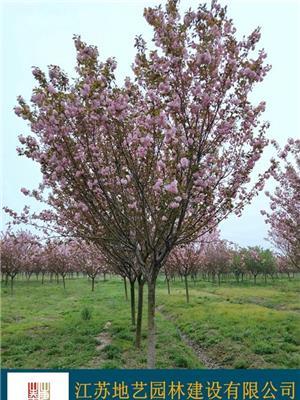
x,y
231,326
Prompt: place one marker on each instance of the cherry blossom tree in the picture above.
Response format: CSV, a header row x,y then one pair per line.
x,y
284,266
216,258
59,257
148,165
284,217
237,264
89,259
185,260
18,252
253,260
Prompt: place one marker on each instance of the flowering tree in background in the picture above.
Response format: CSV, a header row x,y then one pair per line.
x,y
253,260
216,259
237,264
148,165
59,257
170,272
284,266
89,259
284,217
18,253
185,260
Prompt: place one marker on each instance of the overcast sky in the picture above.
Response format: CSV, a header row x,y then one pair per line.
x,y
40,33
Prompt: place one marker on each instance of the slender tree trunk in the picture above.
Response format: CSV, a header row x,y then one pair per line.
x,y
43,276
138,337
168,284
186,289
151,325
12,285
219,279
254,279
265,278
132,302
64,283
125,288
93,283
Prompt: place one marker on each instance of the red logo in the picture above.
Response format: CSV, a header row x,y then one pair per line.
x,y
38,391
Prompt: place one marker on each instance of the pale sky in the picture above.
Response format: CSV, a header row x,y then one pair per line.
x,y
40,33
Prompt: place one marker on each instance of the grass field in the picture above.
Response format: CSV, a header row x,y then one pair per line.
x,y
231,326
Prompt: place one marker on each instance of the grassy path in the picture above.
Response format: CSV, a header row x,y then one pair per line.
x,y
203,358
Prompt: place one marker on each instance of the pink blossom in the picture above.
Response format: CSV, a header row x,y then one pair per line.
x,y
158,184
184,162
25,191
172,187
51,89
85,90
204,58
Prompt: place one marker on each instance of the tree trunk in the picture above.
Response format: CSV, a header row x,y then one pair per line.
x,y
132,302
186,289
219,279
138,336
93,283
254,279
64,283
125,288
43,276
12,285
168,284
151,325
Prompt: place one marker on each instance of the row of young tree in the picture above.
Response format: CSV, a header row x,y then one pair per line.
x,y
23,253
144,167
210,259
219,260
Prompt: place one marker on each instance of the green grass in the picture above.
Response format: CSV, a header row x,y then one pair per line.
x,y
237,325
